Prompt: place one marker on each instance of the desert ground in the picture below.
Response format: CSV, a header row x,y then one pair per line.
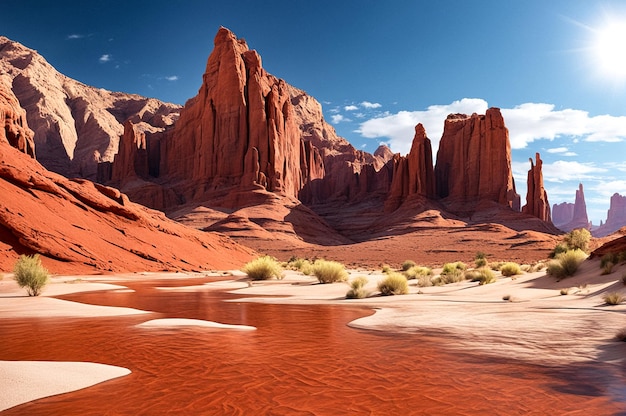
x,y
525,318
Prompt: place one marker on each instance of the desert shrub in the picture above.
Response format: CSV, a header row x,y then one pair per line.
x,y
609,258
527,268
407,264
416,271
566,264
608,268
483,276
613,298
29,273
425,280
540,266
560,248
356,288
263,268
453,277
295,263
564,291
495,265
510,269
329,271
386,268
578,239
452,267
394,284
480,260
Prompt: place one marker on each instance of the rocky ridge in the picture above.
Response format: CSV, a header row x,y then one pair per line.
x,y
75,126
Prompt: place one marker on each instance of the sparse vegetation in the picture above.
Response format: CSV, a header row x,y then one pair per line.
x,y
613,298
263,268
483,276
357,290
559,249
608,268
329,271
451,273
417,271
495,265
394,284
566,264
386,268
509,269
612,258
578,239
29,273
480,260
565,291
407,265
300,264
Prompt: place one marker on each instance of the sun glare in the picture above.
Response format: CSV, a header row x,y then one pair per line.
x,y
610,50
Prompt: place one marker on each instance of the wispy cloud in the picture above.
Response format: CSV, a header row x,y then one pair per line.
x,y
105,58
75,36
562,170
338,118
367,104
563,151
172,78
351,108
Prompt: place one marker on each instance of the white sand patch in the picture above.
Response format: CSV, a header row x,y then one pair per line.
x,y
44,307
180,322
25,381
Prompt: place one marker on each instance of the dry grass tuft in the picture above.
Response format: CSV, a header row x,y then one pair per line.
x,y
394,284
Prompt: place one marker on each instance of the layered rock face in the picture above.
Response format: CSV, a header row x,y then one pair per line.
x,y
75,126
15,130
616,217
413,174
537,203
474,161
562,213
79,226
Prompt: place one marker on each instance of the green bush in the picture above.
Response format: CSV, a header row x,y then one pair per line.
x,y
483,276
578,239
407,264
560,248
263,268
451,273
480,260
356,288
329,271
510,269
416,271
393,284
566,264
29,273
453,267
613,298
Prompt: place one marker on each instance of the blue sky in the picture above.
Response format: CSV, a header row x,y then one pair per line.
x,y
378,67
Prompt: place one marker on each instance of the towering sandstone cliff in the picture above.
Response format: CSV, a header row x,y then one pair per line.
x,y
474,161
537,203
15,130
616,217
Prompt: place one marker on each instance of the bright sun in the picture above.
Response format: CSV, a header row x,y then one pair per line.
x,y
610,50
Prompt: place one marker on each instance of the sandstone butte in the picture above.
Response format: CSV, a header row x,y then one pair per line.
x,y
615,219
253,157
79,226
569,216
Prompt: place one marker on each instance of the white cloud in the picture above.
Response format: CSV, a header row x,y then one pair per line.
x,y
562,170
338,118
172,78
557,150
367,104
608,188
351,108
105,58
400,127
75,36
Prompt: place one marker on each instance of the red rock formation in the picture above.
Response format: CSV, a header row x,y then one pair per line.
x,y
413,174
79,226
75,126
537,203
474,161
616,217
15,131
562,213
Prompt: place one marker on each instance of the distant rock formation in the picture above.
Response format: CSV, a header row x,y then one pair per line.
x,y
15,130
579,217
474,161
537,203
562,213
75,126
616,217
